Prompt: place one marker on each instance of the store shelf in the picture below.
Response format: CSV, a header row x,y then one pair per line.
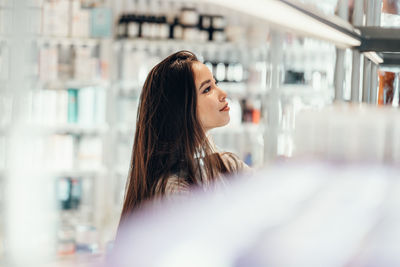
x,y
233,89
167,44
66,84
66,173
76,129
380,39
302,19
72,129
303,89
76,173
67,41
391,59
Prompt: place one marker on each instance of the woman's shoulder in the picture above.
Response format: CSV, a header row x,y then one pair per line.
x,y
233,162
174,185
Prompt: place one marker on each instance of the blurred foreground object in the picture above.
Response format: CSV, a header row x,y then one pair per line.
x,y
294,214
348,133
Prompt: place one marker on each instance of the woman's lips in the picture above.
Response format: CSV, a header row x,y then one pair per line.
x,y
226,108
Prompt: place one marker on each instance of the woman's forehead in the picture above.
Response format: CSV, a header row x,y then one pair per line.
x,y
201,73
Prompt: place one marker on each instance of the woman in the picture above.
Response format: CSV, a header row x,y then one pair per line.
x,y
179,103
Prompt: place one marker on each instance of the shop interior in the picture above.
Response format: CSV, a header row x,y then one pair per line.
x,y
313,88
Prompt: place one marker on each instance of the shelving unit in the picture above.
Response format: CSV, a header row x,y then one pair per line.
x,y
264,65
379,39
257,63
67,41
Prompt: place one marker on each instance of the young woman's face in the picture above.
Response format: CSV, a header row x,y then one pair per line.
x,y
212,107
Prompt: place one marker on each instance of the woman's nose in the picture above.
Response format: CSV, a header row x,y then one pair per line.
x,y
222,95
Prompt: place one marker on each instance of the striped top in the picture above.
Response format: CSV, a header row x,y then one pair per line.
x,y
177,186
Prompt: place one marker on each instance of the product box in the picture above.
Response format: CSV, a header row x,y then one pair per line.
x,y
80,24
72,105
48,64
100,22
86,106
55,18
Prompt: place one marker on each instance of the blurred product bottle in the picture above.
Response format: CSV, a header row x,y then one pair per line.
x,y
76,193
69,193
235,112
386,87
64,192
390,13
294,77
209,65
133,26
220,72
235,30
66,240
391,7
189,19
251,110
205,26
176,30
217,32
72,105
65,67
86,239
122,28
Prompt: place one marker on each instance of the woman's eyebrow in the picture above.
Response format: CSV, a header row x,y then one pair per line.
x,y
203,83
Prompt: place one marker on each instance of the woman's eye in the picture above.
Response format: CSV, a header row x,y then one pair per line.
x,y
207,90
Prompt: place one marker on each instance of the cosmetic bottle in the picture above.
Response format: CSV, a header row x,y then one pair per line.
x,y
133,26
122,31
220,72
189,17
163,28
177,30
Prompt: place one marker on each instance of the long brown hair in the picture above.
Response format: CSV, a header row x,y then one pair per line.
x,y
168,133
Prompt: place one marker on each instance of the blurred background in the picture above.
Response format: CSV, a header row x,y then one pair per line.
x,y
307,81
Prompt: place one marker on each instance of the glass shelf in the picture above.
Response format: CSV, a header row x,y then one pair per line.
x,y
166,44
74,129
66,84
67,41
66,173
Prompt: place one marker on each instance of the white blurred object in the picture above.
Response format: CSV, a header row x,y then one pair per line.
x,y
90,151
348,133
290,215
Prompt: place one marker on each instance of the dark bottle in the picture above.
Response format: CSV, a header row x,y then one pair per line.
x,y
76,193
122,28
64,193
146,26
133,26
163,28
175,29
141,19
